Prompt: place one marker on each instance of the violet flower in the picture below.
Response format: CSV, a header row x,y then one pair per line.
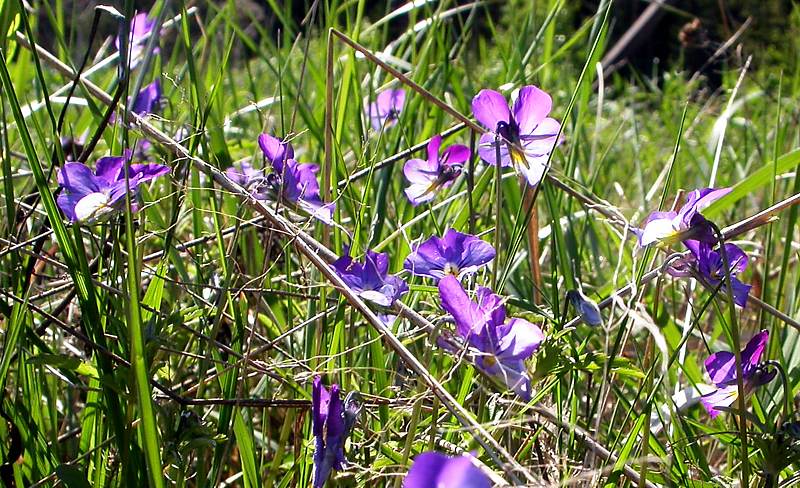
x,y
667,227
384,112
587,308
436,470
525,134
721,367
295,182
88,196
709,264
141,28
146,102
504,344
438,172
371,281
331,422
454,254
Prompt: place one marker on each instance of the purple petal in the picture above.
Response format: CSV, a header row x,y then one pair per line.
x,y
433,150
752,352
78,179
421,172
148,171
513,374
66,202
470,320
436,470
519,339
491,306
737,258
147,99
487,150
384,111
542,140
722,397
530,108
455,154
320,399
275,150
426,260
721,368
741,292
109,168
490,107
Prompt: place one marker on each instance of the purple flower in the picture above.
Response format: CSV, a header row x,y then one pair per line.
x,y
436,470
587,309
454,254
526,126
385,110
371,281
148,99
504,344
295,182
721,367
709,264
667,227
141,28
87,196
428,177
331,422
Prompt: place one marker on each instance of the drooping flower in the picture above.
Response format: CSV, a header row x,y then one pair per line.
x,y
385,110
88,196
504,344
454,254
587,309
525,134
295,182
141,28
686,223
371,281
436,470
331,422
721,367
438,172
711,267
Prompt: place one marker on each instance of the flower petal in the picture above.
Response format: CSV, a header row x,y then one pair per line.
x,y
721,397
659,226
275,150
519,339
470,320
455,154
531,107
147,99
78,179
490,107
487,150
436,470
421,171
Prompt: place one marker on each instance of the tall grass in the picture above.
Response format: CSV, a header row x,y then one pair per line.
x,y
176,345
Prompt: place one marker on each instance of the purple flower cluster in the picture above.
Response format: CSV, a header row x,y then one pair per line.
x,y
721,368
688,225
293,182
371,281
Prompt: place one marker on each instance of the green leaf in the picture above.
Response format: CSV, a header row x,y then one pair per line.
x,y
72,476
761,177
66,362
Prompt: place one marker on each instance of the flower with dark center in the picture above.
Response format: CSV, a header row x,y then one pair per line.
x,y
296,183
721,367
437,173
687,223
524,136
